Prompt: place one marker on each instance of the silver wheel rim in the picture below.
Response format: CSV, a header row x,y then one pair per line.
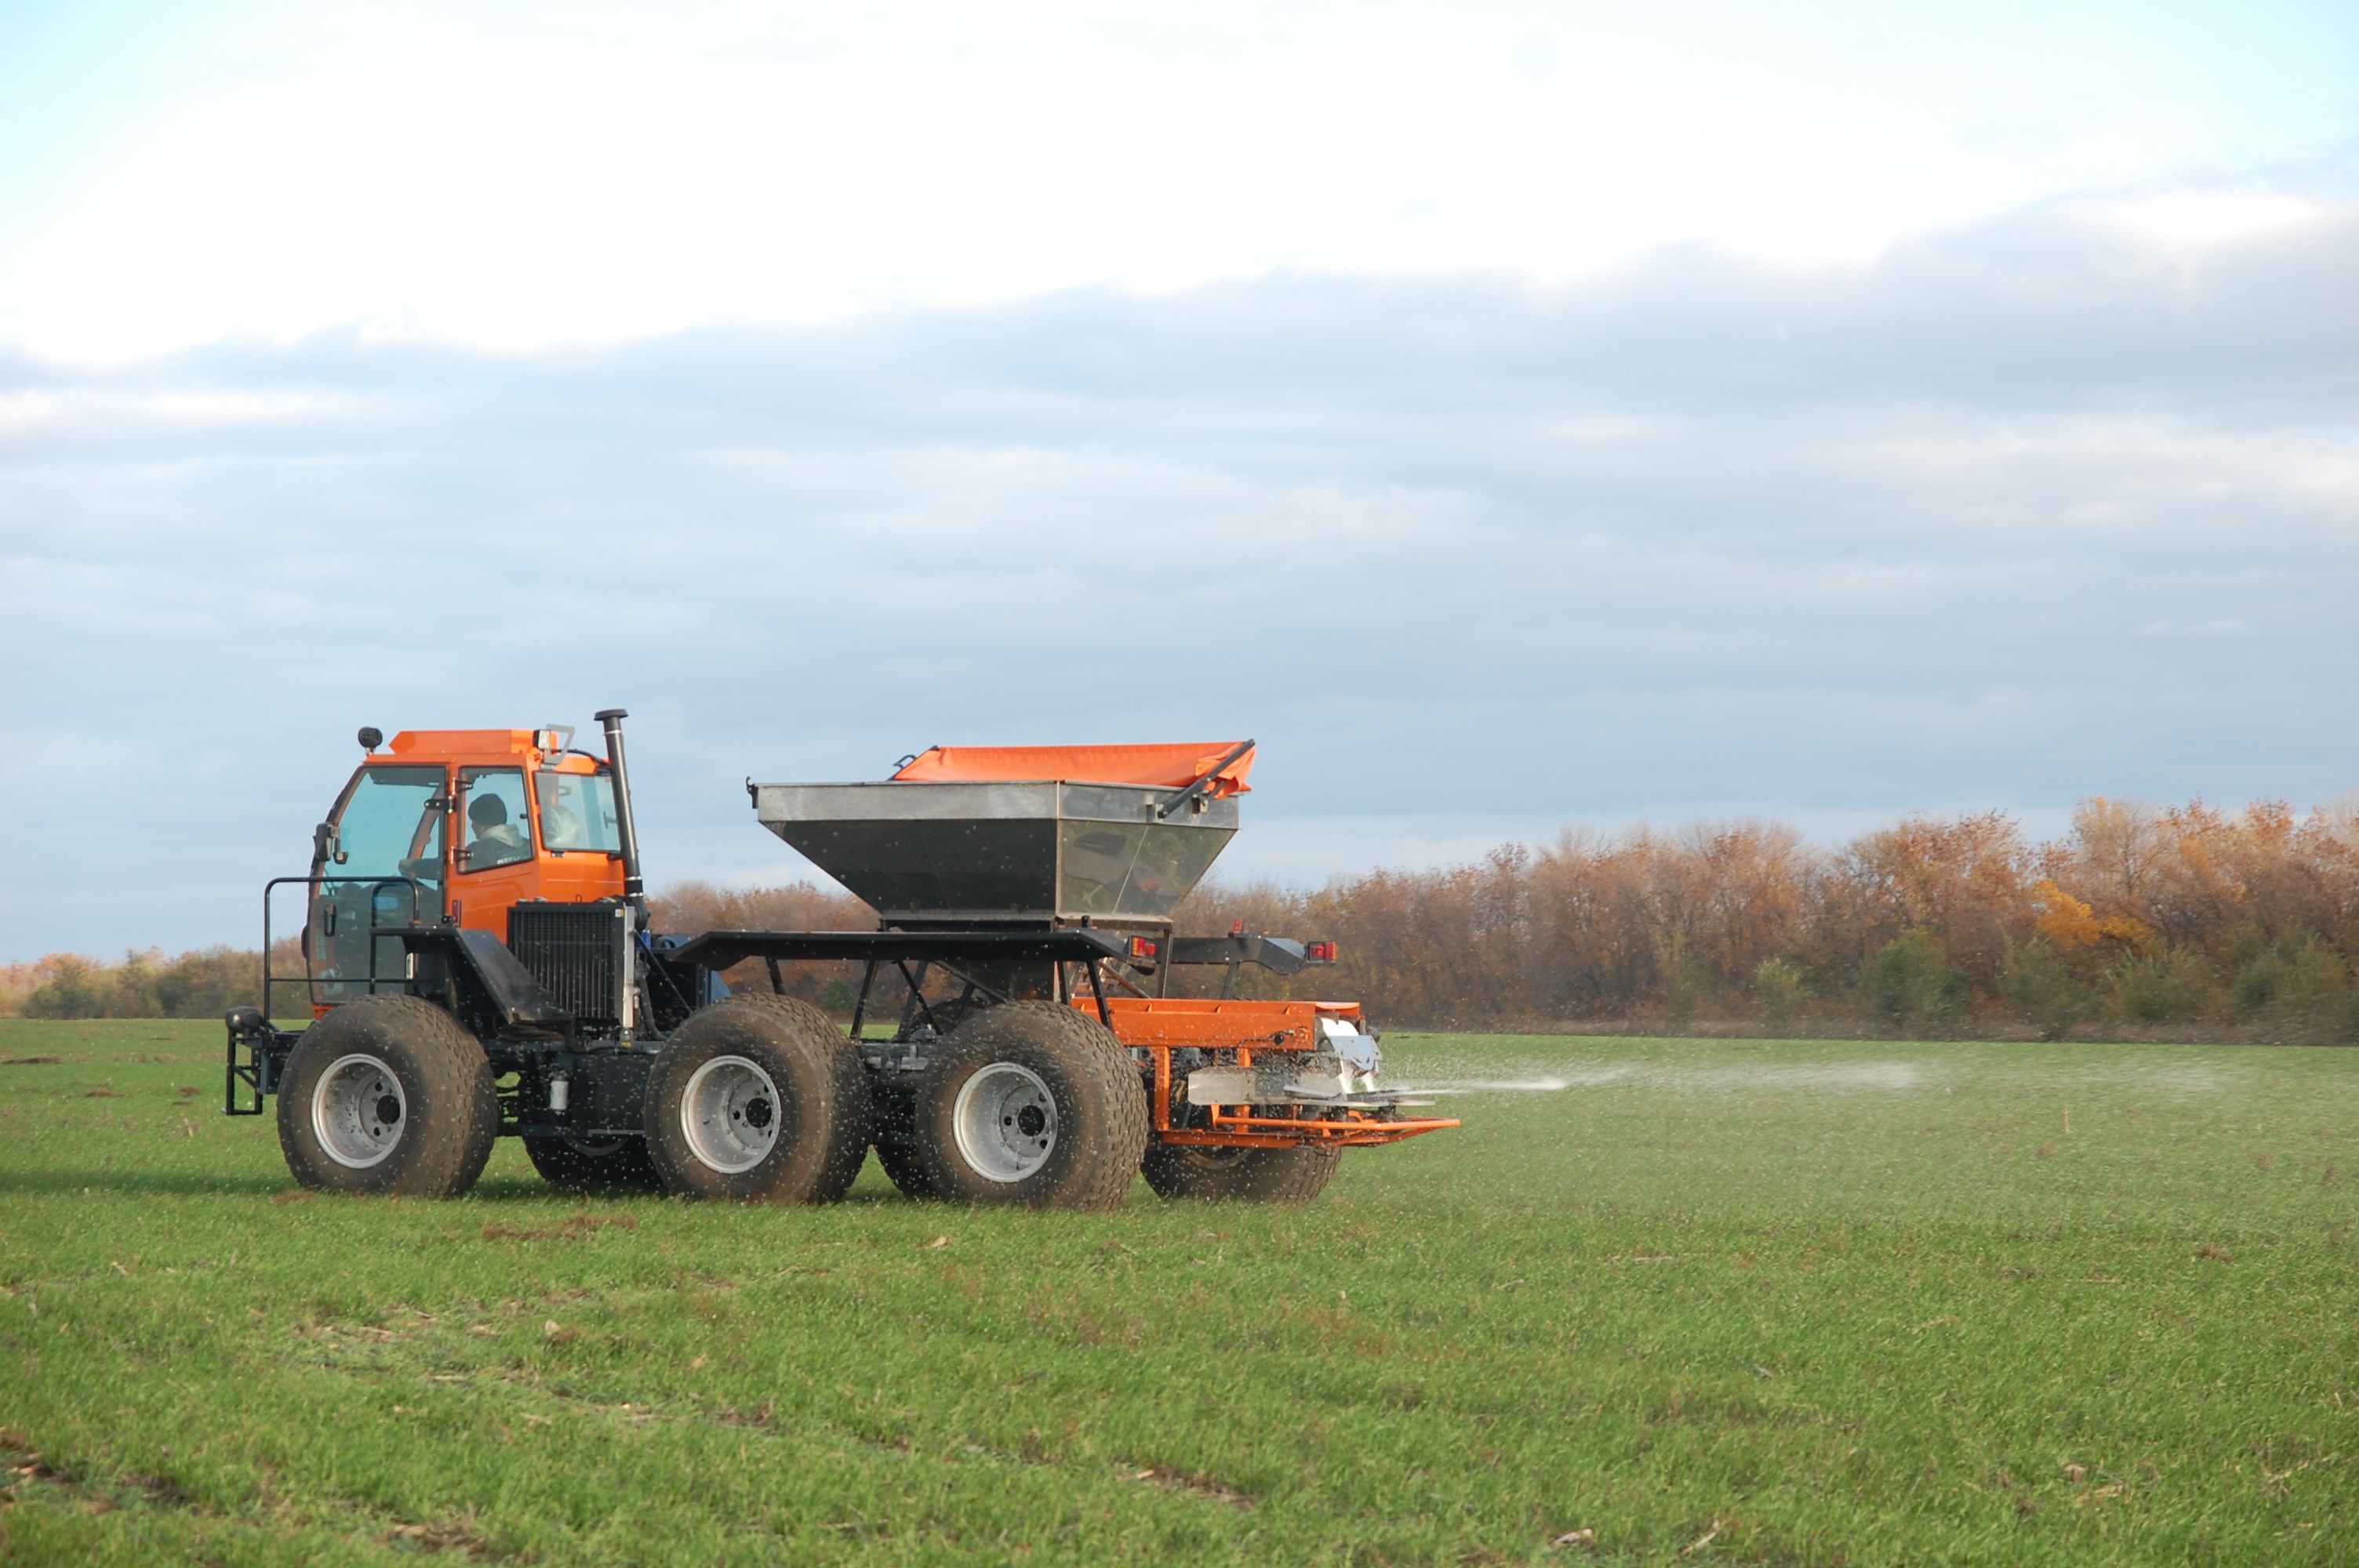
x,y
730,1114
358,1111
1006,1122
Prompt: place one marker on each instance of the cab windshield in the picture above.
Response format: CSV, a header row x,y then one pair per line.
x,y
577,811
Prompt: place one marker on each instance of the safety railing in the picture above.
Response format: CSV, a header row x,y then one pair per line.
x,y
374,979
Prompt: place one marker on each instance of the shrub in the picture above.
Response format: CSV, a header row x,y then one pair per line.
x,y
2316,978
1779,986
2258,979
2037,979
1912,983
77,989
208,983
1685,981
2169,987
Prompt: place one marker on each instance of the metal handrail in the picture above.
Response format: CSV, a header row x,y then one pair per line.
x,y
310,981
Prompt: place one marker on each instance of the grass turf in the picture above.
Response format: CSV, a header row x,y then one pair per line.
x,y
1706,1301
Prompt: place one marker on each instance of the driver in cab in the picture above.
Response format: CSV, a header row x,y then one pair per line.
x,y
496,841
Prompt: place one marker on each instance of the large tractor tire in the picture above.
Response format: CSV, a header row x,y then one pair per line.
x,y
1242,1176
1032,1103
387,1094
595,1166
895,1136
758,1098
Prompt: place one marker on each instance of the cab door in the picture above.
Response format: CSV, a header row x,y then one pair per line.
x,y
497,861
383,868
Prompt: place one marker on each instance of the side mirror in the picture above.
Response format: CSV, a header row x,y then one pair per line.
x,y
324,844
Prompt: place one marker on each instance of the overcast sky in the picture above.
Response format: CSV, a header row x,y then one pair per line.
x,y
1512,416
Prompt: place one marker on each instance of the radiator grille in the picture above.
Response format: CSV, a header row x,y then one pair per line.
x,y
571,949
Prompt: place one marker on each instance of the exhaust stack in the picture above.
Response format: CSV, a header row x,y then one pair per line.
x,y
635,887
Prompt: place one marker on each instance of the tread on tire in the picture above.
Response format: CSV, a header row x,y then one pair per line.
x,y
1241,1175
1096,1136
806,1144
380,1053
895,1136
597,1167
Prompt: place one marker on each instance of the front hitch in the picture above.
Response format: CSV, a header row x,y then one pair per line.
x,y
256,1060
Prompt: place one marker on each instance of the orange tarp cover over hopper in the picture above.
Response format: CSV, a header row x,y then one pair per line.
x,y
1165,767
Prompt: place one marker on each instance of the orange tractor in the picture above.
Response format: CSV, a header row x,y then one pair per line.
x,y
477,962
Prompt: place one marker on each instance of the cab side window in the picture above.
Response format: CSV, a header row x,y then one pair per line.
x,y
577,811
497,823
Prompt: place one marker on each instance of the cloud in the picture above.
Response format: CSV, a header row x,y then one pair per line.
x,y
520,177
1471,557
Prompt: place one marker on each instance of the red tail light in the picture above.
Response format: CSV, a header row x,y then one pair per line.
x,y
1320,952
1140,947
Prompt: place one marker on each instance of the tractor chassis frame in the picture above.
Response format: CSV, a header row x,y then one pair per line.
x,y
529,1039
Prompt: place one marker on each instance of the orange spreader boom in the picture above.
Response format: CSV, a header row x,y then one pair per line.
x,y
1234,1032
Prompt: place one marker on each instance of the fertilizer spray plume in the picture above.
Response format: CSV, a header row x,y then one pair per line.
x,y
1579,1079
1563,1077
1498,1086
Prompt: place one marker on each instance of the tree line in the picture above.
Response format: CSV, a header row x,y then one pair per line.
x,y
205,983
2189,920
2143,919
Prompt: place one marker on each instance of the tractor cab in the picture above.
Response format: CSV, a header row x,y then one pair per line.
x,y
457,826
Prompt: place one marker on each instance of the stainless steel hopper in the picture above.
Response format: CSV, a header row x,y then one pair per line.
x,y
1002,852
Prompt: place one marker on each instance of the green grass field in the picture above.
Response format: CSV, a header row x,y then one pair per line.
x,y
1708,1301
